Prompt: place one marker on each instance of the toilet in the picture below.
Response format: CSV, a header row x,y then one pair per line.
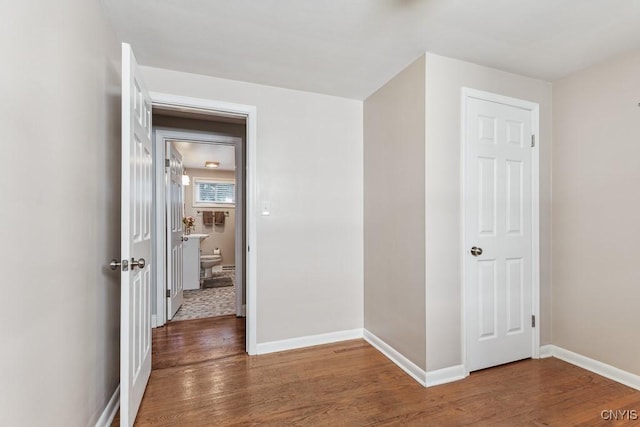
x,y
207,262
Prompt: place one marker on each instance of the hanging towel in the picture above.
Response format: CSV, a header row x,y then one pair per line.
x,y
207,218
219,218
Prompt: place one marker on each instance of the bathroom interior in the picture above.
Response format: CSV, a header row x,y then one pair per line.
x,y
209,245
209,217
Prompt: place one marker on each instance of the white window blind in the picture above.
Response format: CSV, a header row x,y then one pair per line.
x,y
212,192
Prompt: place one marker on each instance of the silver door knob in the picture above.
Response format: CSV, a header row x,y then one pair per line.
x,y
139,263
115,264
476,251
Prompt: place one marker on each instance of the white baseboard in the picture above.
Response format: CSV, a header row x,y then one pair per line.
x,y
308,341
546,351
446,375
243,311
396,357
595,366
154,320
110,410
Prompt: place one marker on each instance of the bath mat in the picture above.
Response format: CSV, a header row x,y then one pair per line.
x,y
217,282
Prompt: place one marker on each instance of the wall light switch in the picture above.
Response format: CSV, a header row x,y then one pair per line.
x,y
265,209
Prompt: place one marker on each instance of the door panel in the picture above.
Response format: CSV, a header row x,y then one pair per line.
x,y
135,327
515,296
498,219
487,299
175,232
486,196
514,202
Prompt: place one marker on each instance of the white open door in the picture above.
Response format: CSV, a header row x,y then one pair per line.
x,y
175,231
498,230
135,309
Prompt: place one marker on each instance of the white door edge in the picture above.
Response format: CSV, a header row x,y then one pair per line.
x,y
250,113
468,93
159,233
240,218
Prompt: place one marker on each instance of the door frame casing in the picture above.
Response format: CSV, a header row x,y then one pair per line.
x,y
534,108
249,113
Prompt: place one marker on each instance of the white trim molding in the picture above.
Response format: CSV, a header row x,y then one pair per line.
x,y
595,366
110,410
545,351
446,375
250,113
308,341
396,357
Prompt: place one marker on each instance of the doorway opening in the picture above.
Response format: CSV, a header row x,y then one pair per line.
x,y
202,222
213,212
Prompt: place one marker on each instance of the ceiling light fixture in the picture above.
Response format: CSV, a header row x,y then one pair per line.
x,y
211,165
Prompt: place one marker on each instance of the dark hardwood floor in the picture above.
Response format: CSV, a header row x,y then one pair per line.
x,y
193,341
202,377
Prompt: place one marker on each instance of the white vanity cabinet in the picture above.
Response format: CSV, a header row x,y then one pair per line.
x,y
191,261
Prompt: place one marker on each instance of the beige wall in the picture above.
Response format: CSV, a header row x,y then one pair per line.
x,y
60,121
222,237
309,166
444,79
596,212
394,258
412,239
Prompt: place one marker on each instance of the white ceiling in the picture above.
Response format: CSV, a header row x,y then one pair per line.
x,y
194,155
350,48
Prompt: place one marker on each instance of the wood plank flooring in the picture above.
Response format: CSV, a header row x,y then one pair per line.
x,y
192,341
202,377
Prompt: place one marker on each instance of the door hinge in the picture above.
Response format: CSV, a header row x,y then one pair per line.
x,y
168,293
533,140
248,248
167,163
533,320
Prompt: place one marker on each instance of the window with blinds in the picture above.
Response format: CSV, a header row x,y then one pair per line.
x,y
211,192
